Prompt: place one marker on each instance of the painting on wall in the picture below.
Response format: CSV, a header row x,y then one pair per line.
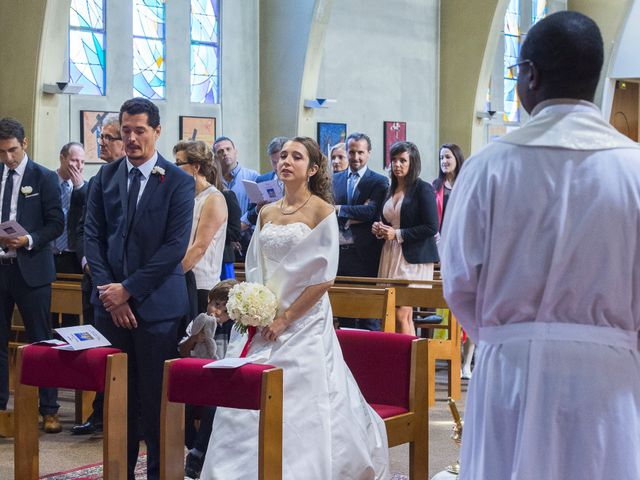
x,y
330,134
198,128
91,122
393,132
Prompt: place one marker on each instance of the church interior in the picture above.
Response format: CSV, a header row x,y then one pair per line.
x,y
431,72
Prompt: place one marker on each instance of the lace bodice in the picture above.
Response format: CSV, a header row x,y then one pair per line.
x,y
277,240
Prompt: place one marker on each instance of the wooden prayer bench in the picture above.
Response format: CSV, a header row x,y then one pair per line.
x,y
432,298
390,370
358,302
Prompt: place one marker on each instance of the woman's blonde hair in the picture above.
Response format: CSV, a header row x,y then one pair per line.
x,y
198,153
320,183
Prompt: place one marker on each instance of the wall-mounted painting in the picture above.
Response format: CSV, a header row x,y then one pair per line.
x,y
198,128
91,122
329,134
393,132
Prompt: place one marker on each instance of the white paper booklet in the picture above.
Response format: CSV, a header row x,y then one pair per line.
x,y
81,337
228,363
262,192
11,229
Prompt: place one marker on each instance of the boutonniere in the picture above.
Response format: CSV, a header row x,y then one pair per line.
x,y
26,190
158,171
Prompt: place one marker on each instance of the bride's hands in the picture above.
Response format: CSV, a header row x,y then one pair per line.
x,y
273,331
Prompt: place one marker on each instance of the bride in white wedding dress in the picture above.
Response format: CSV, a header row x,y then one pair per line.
x,y
329,431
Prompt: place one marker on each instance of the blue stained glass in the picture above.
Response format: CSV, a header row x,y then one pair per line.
x,y
87,61
204,73
539,10
148,68
148,18
511,53
512,18
87,14
511,101
204,21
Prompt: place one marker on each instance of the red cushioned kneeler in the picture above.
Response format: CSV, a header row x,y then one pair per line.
x,y
99,369
391,371
253,387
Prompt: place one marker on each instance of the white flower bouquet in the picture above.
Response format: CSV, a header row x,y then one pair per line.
x,y
251,305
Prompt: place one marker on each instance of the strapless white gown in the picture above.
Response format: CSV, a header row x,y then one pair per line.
x,y
329,431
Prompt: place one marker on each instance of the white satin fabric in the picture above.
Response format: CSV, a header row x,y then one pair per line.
x,y
329,431
540,254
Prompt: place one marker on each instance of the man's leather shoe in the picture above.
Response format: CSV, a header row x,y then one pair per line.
x,y
87,428
51,424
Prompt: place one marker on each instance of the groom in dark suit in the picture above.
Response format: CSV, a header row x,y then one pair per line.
x,y
137,230
30,195
359,193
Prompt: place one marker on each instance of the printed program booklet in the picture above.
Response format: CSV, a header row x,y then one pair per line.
x,y
263,192
81,337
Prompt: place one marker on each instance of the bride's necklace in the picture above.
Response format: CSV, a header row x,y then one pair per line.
x,y
283,212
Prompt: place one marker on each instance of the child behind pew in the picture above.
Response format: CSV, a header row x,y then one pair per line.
x,y
203,339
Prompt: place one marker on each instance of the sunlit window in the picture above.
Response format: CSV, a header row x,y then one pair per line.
x,y
205,51
87,46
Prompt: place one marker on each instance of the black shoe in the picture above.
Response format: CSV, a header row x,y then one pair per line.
x,y
87,428
193,466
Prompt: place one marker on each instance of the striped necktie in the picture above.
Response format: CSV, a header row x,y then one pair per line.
x,y
62,242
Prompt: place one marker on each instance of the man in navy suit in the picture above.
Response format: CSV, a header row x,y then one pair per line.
x,y
359,193
137,230
30,196
273,150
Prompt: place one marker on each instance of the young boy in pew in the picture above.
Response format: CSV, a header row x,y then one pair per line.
x,y
202,341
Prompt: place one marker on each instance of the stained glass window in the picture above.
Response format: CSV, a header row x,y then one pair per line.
x,y
539,10
205,51
149,48
511,52
87,46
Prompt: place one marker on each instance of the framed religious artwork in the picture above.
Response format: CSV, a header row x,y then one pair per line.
x,y
330,134
91,122
393,132
198,128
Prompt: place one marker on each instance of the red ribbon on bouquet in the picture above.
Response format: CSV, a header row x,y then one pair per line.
x,y
251,331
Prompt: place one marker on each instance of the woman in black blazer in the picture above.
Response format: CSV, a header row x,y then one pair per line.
x,y
409,225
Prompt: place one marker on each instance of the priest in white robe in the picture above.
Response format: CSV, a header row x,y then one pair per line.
x,y
540,256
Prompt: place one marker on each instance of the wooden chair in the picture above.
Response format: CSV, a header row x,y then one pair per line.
x,y
255,387
97,369
358,302
448,349
390,370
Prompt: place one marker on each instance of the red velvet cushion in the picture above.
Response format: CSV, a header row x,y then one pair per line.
x,y
45,366
380,363
387,411
224,387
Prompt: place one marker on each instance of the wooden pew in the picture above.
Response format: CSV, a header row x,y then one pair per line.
x,y
66,297
449,349
355,302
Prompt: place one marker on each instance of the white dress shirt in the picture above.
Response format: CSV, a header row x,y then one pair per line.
x,y
17,184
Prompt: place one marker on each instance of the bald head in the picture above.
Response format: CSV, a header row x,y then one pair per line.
x,y
566,54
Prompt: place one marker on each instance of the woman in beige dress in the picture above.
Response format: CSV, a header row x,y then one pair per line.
x,y
409,225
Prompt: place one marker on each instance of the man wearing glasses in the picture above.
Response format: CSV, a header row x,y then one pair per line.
x,y
111,149
540,258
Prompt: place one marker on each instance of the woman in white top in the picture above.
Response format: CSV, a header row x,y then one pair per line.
x,y
203,261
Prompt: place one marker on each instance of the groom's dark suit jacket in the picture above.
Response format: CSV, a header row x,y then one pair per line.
x,y
153,247
365,208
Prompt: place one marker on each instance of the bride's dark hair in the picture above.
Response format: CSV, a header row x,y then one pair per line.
x,y
320,183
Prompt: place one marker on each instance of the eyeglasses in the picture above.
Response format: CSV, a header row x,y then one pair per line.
x,y
179,164
514,69
108,138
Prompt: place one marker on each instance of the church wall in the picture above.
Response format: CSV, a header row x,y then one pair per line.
x,y
380,62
